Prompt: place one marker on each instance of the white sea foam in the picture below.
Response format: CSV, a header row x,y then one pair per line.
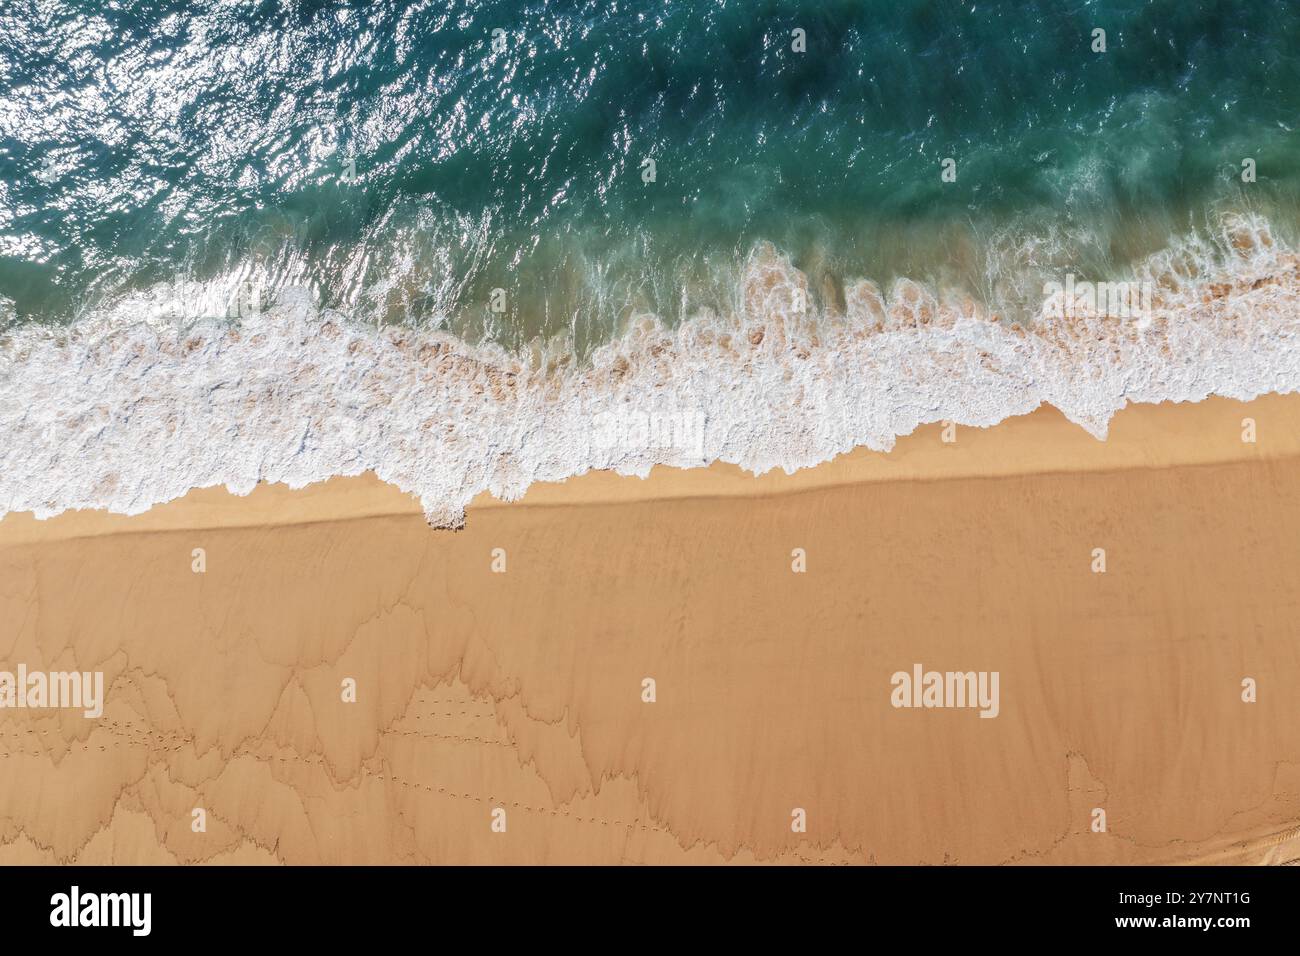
x,y
130,407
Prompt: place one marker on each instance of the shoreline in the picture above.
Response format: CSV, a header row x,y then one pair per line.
x,y
1042,442
521,690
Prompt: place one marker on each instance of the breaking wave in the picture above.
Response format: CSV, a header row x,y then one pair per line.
x,y
129,408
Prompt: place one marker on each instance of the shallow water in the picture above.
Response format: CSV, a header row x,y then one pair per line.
x,y
173,142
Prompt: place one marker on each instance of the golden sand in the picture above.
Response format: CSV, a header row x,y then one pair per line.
x,y
522,691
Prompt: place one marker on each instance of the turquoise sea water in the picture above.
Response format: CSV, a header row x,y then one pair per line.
x,y
145,141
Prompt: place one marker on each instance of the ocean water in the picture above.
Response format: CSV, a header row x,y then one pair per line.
x,y
471,245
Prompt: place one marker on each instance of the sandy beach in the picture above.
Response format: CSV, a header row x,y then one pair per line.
x,y
500,711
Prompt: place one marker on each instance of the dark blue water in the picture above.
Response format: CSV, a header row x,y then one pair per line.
x,y
141,141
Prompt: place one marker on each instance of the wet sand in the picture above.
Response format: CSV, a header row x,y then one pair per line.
x,y
522,690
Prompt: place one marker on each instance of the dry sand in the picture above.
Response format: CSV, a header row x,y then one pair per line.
x,y
523,690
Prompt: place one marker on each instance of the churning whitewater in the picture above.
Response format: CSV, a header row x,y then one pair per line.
x,y
125,410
